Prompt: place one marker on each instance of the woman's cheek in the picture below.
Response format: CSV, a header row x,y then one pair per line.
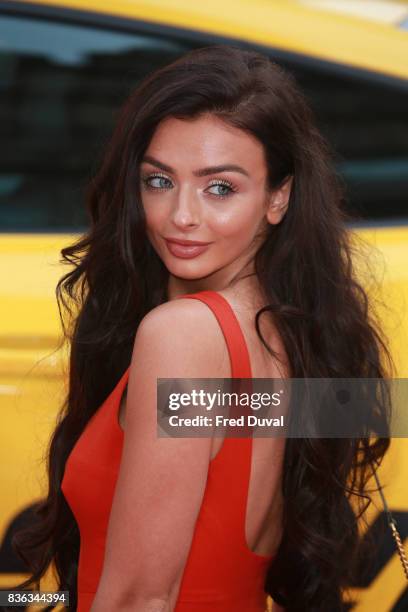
x,y
236,223
155,218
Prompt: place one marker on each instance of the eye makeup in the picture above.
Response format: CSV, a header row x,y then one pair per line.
x,y
221,182
146,178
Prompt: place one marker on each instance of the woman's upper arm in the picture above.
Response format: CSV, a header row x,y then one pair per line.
x,y
161,481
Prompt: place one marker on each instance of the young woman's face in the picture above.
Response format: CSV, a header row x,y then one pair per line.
x,y
204,180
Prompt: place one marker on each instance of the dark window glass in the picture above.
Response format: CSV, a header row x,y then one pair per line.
x,y
366,121
59,90
60,87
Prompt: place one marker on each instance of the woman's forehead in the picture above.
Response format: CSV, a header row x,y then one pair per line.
x,y
204,141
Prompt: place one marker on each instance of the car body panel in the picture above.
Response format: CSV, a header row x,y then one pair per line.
x,y
287,25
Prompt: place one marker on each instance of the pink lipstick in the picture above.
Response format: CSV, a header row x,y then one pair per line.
x,y
186,249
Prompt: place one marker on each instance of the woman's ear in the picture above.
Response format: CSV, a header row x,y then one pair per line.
x,y
278,201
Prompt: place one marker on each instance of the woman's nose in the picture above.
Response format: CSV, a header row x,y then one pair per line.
x,y
186,207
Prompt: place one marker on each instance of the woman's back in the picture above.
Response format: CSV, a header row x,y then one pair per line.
x,y
264,505
265,501
235,534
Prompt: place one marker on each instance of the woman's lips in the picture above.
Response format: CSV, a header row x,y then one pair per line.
x,y
184,251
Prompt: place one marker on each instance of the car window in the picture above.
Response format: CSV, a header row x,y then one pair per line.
x,y
366,121
61,85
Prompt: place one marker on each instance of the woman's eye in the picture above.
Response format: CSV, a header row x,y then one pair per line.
x,y
222,190
157,182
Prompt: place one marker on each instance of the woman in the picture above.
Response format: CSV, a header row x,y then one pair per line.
x,y
219,148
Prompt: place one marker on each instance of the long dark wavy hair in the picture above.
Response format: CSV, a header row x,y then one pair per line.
x,y
306,268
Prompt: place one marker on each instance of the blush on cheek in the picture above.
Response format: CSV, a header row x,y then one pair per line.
x,y
237,221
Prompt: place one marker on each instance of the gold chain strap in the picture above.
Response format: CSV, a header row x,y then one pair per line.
x,y
401,550
393,526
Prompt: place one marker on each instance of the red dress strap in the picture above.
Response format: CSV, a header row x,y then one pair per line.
x,y
237,348
234,457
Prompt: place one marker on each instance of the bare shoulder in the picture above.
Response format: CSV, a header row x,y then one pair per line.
x,y
181,315
186,330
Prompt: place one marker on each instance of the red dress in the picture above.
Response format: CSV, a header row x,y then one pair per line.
x,y
221,573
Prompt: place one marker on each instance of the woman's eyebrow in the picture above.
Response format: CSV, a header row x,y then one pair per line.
x,y
202,172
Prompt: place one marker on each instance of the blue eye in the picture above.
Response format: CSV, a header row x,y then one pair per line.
x,y
161,182
226,188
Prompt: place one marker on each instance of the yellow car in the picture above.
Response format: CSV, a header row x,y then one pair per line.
x,y
66,66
